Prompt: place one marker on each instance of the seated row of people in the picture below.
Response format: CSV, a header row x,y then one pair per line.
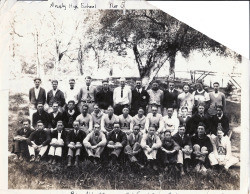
x,y
141,149
106,120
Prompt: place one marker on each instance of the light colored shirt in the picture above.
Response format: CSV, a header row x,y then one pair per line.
x,y
54,92
153,121
186,100
201,96
139,121
71,94
107,124
86,122
87,95
155,97
97,117
216,99
55,114
221,147
59,134
171,124
37,90
126,123
125,98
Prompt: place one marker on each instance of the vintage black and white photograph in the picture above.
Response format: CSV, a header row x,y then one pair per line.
x,y
119,99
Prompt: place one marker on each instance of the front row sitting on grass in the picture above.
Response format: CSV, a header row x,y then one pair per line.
x,y
179,151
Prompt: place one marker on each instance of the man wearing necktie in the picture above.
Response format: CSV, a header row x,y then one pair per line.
x,y
87,95
122,97
117,140
73,141
133,148
57,143
140,98
150,144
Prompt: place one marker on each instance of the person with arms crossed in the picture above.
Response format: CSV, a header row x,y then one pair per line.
x,y
38,141
70,114
95,143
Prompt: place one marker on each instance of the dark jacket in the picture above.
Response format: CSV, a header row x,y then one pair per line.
x,y
170,144
121,137
139,99
54,134
26,134
69,119
72,137
44,117
170,99
192,124
182,142
59,97
39,137
104,99
205,141
41,96
53,121
224,121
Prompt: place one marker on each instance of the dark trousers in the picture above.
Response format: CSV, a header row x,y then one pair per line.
x,y
118,108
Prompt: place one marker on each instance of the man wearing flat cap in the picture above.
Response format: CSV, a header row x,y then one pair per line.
x,y
36,94
86,95
122,97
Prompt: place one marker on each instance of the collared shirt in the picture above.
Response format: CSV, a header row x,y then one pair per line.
x,y
72,112
86,122
125,98
186,100
37,90
201,96
54,92
155,97
107,123
55,114
87,93
59,134
153,121
71,94
76,132
171,124
220,116
139,90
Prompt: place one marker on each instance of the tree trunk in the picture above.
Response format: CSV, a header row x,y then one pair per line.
x,y
138,60
172,64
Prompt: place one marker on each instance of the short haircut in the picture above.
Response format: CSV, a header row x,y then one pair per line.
x,y
116,123
37,78
201,125
152,126
185,84
126,107
201,104
72,80
97,124
54,81
216,83
155,81
170,107
219,106
96,105
138,80
140,108
40,121
111,107
167,131
171,81
88,77
76,121
71,101
26,120
136,126
60,121
154,106
85,105
105,81
55,103
40,103
182,126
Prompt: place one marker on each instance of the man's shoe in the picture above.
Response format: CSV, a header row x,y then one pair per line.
x,y
203,169
32,159
50,160
38,158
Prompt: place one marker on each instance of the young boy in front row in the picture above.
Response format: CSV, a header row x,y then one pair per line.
x,y
58,139
38,141
150,144
184,154
94,143
73,141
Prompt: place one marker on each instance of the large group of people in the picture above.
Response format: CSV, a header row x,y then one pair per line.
x,y
148,128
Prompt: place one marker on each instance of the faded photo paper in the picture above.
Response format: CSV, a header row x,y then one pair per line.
x,y
119,95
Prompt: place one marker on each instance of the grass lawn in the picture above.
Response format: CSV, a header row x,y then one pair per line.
x,y
27,175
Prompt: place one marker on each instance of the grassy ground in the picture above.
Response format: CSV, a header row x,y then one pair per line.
x,y
43,176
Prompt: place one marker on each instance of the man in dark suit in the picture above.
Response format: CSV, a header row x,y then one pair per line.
x,y
170,98
55,116
199,117
55,95
140,98
20,147
36,94
57,144
184,154
117,140
40,115
220,119
70,114
74,142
